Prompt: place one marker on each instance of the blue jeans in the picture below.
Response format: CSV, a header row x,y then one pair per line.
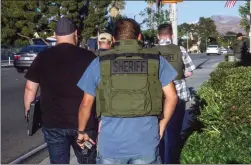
x,y
171,142
59,142
153,159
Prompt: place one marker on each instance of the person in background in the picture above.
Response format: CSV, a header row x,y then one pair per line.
x,y
92,42
129,99
104,42
181,61
56,71
239,47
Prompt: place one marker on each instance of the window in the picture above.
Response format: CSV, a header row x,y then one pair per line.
x,y
213,46
29,49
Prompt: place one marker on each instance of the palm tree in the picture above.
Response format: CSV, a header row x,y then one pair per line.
x,y
151,2
116,7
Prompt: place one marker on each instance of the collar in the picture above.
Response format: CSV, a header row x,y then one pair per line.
x,y
102,49
165,41
127,45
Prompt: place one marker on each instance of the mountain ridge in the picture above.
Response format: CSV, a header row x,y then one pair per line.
x,y
225,23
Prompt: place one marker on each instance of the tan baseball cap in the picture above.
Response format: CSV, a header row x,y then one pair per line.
x,y
105,37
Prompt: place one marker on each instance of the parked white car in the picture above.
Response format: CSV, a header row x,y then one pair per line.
x,y
224,51
213,49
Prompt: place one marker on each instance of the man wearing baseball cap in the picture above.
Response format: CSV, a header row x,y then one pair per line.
x,y
57,70
104,42
239,47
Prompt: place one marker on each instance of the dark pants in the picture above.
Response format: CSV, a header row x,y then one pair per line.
x,y
59,142
170,144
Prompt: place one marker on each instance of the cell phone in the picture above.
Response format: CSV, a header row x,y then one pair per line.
x,y
88,144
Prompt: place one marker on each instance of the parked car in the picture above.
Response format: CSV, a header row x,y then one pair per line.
x,y
213,49
224,51
24,58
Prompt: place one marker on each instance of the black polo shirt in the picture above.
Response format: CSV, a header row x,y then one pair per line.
x,y
58,71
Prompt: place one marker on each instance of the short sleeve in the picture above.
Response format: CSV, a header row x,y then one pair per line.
x,y
166,72
33,73
91,78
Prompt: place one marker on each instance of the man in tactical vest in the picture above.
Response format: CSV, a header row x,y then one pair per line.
x,y
239,47
104,42
181,61
129,83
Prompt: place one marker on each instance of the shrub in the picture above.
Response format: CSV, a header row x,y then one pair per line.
x,y
228,64
217,148
225,103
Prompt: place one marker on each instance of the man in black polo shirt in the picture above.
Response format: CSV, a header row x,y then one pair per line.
x,y
56,71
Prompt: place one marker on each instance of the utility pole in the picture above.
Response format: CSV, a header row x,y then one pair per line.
x,y
174,23
187,41
250,27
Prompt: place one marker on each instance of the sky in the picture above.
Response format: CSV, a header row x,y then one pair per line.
x,y
188,11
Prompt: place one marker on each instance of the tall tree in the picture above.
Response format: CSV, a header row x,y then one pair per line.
x,y
59,8
152,19
97,17
244,10
116,6
115,13
206,29
19,18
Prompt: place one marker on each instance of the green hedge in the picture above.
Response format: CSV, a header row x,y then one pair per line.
x,y
225,103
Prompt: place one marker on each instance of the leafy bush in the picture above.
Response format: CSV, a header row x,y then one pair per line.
x,y
217,148
228,64
225,103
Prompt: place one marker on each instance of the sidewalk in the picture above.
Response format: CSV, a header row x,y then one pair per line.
x,y
200,75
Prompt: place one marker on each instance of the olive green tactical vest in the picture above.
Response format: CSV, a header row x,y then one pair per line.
x,y
173,55
96,52
237,46
129,85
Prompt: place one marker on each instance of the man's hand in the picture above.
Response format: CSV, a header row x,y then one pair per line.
x,y
30,92
84,113
82,138
26,115
170,102
188,74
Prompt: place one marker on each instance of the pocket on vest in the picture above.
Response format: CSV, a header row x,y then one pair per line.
x,y
129,96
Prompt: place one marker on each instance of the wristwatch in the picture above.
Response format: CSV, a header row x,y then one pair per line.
x,y
81,132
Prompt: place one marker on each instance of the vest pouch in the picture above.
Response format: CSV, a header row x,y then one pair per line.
x,y
129,96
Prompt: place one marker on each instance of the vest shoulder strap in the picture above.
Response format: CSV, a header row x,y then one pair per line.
x,y
142,55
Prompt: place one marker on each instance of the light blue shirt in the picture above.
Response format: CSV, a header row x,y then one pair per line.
x,y
126,137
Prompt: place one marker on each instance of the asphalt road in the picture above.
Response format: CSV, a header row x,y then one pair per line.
x,y
14,139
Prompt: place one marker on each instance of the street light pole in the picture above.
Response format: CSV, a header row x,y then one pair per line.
x,y
250,27
174,24
206,43
187,41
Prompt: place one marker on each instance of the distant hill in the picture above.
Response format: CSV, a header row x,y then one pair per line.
x,y
227,23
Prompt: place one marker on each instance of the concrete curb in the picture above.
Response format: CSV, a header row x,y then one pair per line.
x,y
7,66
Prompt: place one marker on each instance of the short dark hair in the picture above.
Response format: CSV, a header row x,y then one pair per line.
x,y
165,29
126,28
